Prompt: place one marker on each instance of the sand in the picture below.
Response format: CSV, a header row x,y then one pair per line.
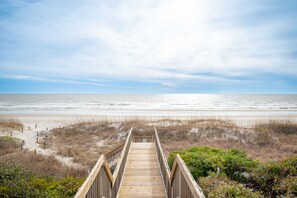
x,y
33,126
43,123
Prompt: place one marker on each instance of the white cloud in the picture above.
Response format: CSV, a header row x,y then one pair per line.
x,y
148,40
57,80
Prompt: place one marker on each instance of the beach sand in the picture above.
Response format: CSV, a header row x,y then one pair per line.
x,y
240,117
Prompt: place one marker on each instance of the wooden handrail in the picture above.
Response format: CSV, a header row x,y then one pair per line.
x,y
83,190
110,153
116,172
173,184
179,162
163,156
100,171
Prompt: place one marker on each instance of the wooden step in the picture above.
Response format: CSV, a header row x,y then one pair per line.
x,y
143,190
142,177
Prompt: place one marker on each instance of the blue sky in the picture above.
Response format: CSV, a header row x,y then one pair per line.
x,y
148,46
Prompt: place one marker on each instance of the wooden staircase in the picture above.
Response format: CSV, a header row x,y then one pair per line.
x,y
142,177
141,170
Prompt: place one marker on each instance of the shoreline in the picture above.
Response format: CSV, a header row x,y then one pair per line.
x,y
242,118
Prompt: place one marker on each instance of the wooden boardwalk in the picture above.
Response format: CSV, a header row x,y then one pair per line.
x,y
142,176
141,171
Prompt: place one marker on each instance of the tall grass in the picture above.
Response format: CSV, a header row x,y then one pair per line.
x,y
11,123
43,165
88,138
279,127
9,145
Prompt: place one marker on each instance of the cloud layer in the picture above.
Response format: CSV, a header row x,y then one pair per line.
x,y
169,42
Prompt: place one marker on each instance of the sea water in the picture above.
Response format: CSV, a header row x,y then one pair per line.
x,y
144,104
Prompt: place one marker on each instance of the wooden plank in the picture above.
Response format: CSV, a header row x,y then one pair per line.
x,y
142,176
142,152
142,183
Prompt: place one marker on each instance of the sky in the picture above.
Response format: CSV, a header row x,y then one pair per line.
x,y
148,46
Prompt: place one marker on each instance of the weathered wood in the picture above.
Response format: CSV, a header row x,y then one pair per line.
x,y
179,182
137,138
124,155
192,184
142,173
92,180
165,171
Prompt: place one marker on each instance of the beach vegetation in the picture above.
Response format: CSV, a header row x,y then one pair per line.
x,y
85,141
276,178
28,174
219,185
202,161
9,144
231,173
278,127
15,181
9,123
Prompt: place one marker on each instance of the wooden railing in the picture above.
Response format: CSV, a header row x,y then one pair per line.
x,y
101,182
179,182
113,157
110,155
164,168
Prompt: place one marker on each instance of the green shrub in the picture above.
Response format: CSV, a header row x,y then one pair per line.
x,y
287,186
272,179
7,141
14,181
67,187
18,182
276,178
203,160
220,186
12,172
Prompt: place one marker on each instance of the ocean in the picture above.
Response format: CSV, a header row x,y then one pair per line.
x,y
146,104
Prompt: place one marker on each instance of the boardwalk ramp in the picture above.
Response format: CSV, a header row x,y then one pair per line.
x,y
142,177
140,170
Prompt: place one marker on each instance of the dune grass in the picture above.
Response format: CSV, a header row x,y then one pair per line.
x,y
85,141
10,123
10,151
88,139
264,142
9,145
27,174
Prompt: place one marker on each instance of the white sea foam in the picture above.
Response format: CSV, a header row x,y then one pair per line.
x,y
128,104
